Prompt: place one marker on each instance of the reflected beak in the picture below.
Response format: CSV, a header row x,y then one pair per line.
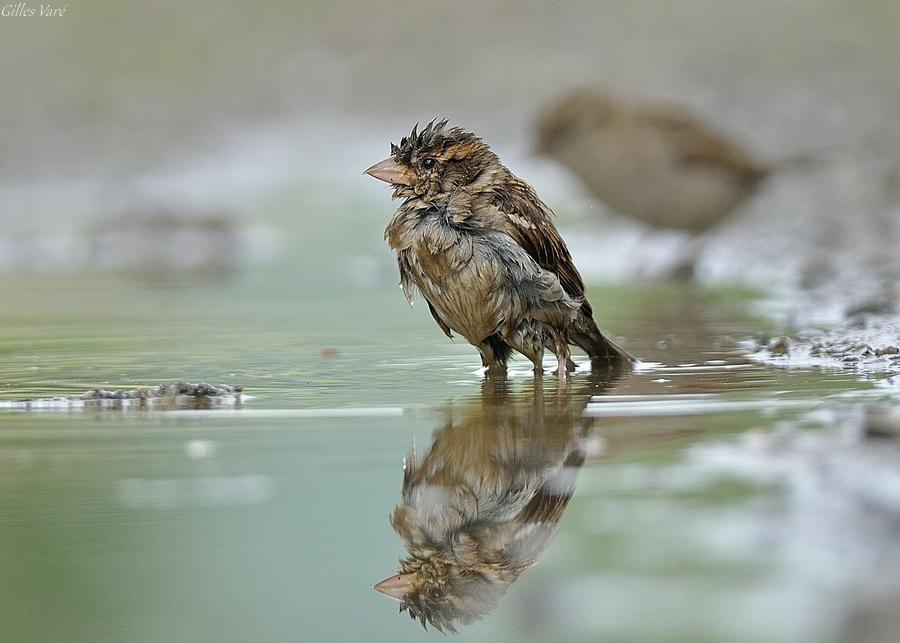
x,y
396,586
389,171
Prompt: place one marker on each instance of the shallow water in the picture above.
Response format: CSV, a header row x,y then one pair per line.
x,y
718,498
271,521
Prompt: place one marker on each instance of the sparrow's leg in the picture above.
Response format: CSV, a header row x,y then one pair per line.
x,y
488,361
528,339
536,357
561,349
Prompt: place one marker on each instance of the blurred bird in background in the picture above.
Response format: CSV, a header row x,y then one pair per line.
x,y
481,246
651,160
483,504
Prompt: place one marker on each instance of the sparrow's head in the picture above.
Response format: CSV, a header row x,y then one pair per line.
x,y
434,163
569,118
443,593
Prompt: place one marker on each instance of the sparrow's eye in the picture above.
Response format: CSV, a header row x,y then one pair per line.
x,y
428,163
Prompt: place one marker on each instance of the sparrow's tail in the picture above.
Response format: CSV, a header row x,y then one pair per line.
x,y
599,347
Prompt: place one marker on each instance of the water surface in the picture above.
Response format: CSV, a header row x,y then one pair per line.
x,y
271,521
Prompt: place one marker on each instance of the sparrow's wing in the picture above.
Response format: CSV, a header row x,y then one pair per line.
x,y
530,223
407,285
697,144
536,524
440,322
551,499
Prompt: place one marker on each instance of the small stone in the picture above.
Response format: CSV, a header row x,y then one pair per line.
x,y
779,346
163,390
882,423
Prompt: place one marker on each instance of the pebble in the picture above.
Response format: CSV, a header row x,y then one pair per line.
x,y
201,389
780,346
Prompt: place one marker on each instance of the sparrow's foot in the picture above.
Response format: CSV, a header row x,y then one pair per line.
x,y
495,372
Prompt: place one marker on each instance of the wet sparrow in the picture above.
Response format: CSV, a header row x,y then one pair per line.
x,y
652,161
481,247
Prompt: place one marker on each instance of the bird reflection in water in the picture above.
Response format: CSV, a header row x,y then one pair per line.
x,y
483,504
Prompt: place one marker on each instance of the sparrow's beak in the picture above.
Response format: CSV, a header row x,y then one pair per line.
x,y
396,586
389,171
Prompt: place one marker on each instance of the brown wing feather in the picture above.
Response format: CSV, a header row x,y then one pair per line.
x,y
440,322
530,222
549,502
698,144
537,523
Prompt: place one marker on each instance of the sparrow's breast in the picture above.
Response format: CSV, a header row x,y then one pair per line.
x,y
461,277
480,281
